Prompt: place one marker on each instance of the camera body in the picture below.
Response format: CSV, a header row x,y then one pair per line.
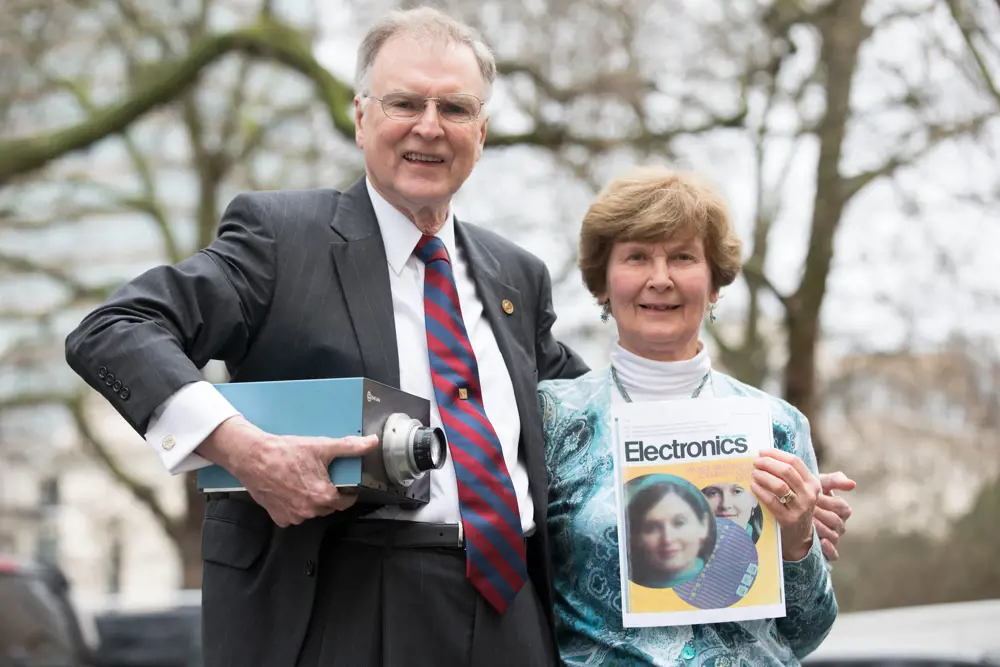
x,y
393,473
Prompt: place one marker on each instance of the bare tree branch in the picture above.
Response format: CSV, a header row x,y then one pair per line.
x,y
64,219
257,132
142,492
237,97
935,135
755,273
623,83
79,290
149,203
268,39
550,136
33,399
727,350
965,26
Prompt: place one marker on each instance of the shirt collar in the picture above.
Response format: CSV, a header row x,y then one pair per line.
x,y
400,236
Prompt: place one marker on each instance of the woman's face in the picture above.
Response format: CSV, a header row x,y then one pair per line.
x,y
671,535
659,293
731,501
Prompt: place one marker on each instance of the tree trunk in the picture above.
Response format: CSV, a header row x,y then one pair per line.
x,y
842,32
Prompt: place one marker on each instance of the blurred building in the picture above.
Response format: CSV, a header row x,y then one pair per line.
x,y
59,504
919,431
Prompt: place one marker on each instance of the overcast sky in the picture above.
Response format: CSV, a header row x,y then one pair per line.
x,y
934,263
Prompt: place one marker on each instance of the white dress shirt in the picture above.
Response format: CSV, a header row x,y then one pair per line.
x,y
189,416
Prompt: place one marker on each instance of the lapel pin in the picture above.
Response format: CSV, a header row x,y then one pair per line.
x,y
507,306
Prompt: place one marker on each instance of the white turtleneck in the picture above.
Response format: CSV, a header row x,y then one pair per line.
x,y
648,380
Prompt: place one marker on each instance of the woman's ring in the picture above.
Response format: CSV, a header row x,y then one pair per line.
x,y
787,498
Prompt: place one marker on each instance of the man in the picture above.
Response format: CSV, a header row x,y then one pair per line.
x,y
318,284
326,284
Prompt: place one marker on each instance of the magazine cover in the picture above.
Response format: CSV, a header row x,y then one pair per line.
x,y
695,545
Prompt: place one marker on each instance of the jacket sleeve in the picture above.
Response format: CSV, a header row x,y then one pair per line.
x,y
151,337
553,359
552,426
811,606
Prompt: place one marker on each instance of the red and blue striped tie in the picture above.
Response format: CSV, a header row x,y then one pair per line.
x,y
494,543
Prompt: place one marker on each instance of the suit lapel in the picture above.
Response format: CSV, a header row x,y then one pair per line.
x,y
484,268
364,276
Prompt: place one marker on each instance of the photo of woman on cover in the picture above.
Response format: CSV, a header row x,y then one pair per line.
x,y
738,504
670,528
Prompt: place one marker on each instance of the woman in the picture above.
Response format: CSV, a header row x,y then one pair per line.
x,y
655,249
670,531
735,502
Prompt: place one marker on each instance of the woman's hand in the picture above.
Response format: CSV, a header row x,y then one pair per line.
x,y
786,487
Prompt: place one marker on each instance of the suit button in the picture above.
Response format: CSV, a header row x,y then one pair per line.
x,y
125,393
168,442
102,371
310,568
116,387
109,379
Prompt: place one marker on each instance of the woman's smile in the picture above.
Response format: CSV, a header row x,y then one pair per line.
x,y
652,308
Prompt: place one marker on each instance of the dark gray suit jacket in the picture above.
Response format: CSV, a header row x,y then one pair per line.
x,y
296,286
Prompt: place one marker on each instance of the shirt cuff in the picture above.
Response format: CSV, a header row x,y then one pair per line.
x,y
183,422
804,577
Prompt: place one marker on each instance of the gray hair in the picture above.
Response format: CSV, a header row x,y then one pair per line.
x,y
422,23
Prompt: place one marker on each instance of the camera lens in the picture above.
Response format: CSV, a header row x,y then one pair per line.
x,y
428,448
410,449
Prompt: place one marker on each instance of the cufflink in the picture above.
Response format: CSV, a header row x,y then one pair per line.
x,y
168,442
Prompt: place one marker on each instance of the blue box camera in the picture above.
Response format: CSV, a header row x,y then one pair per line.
x,y
392,473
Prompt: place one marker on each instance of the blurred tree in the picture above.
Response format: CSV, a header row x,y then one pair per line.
x,y
151,193
920,427
786,75
922,430
767,92
886,569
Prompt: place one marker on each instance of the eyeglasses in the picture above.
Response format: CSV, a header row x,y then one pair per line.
x,y
455,107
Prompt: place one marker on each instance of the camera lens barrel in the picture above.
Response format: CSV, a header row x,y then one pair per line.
x,y
410,449
428,448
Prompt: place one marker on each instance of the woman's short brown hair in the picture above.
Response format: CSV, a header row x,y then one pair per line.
x,y
652,204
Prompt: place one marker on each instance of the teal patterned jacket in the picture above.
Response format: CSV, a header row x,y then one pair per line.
x,y
581,522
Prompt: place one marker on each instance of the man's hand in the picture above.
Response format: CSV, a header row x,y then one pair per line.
x,y
287,475
832,512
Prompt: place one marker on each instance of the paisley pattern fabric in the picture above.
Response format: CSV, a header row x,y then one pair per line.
x,y
581,521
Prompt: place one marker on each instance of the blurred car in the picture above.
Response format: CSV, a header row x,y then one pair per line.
x,y
944,635
39,626
165,636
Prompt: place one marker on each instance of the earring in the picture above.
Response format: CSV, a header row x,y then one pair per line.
x,y
711,312
605,311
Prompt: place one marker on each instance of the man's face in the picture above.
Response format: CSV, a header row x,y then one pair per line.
x,y
419,164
